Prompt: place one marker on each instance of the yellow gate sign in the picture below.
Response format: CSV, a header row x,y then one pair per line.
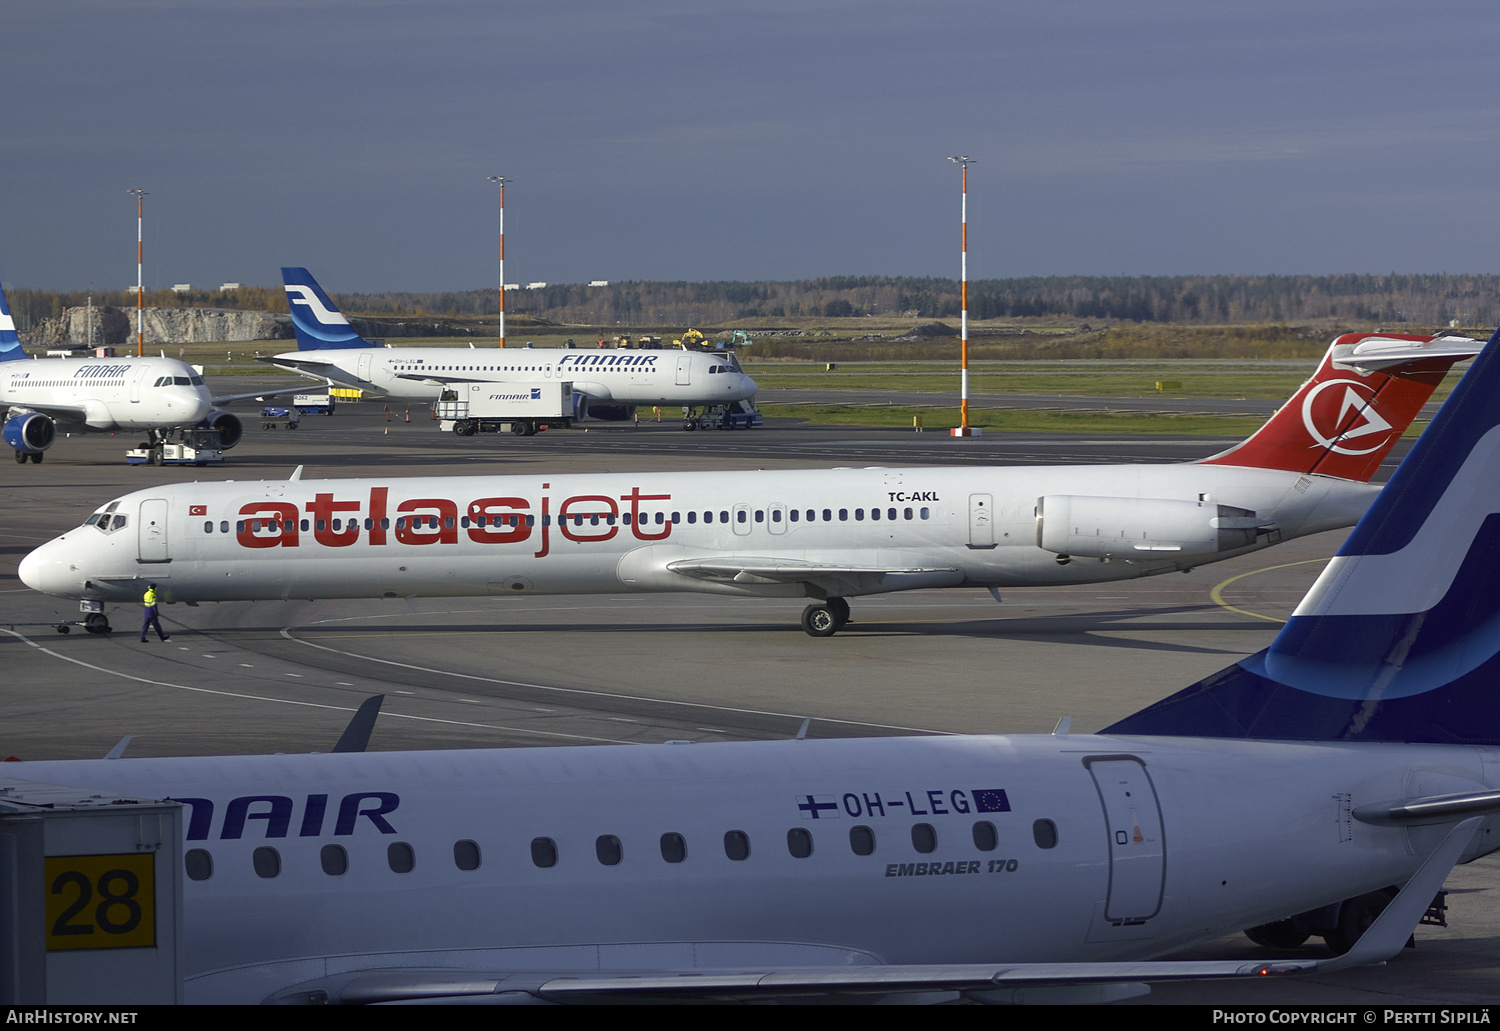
x,y
101,902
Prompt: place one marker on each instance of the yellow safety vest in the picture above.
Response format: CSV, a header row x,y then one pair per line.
x,y
150,598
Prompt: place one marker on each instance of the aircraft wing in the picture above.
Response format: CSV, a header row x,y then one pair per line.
x,y
440,378
991,983
60,412
226,398
837,578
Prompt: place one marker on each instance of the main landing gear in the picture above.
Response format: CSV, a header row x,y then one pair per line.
x,y
824,619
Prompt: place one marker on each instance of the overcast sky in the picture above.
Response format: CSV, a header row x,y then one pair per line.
x,y
752,139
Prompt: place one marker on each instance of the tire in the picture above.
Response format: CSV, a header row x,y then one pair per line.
x,y
1279,934
21,457
97,623
1355,918
840,609
819,621
518,428
36,458
689,424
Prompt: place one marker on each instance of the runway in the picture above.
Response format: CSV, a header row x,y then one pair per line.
x,y
502,672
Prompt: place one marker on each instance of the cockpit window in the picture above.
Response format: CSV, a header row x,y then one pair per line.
x,y
107,520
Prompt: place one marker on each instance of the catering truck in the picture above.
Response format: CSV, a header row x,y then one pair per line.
x,y
523,408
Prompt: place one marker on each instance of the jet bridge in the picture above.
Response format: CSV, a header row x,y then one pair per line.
x,y
90,897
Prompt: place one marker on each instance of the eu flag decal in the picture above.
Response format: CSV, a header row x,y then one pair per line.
x,y
991,800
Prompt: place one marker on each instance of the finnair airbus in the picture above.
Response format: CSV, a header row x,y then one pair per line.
x,y
825,535
1323,786
610,382
99,395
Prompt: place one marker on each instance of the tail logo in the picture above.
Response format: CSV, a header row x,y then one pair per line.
x,y
1320,411
299,294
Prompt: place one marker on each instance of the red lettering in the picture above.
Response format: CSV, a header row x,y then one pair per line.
x,y
545,536
322,508
377,514
419,528
267,524
581,520
635,497
501,527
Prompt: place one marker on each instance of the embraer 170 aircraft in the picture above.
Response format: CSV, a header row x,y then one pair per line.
x,y
99,395
1338,775
612,383
827,535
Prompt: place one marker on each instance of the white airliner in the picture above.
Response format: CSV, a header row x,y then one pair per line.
x,y
1338,775
99,395
827,535
611,382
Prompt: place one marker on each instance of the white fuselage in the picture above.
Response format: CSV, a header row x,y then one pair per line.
x,y
106,393
770,854
627,377
822,533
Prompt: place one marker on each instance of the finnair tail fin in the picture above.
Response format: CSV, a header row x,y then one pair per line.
x,y
320,325
1399,640
1345,419
10,344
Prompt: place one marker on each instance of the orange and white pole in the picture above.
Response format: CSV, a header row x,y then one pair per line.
x,y
140,253
500,181
964,429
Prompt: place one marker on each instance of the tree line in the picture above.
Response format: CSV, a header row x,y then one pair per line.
x,y
1433,299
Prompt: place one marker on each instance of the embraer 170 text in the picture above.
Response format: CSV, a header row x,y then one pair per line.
x,y
610,383
827,535
1323,786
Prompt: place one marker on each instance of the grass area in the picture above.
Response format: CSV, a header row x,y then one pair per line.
x,y
943,419
1197,379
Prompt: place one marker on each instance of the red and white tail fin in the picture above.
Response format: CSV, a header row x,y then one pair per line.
x,y
1345,419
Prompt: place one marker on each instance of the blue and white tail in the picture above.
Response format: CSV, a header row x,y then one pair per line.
x,y
1399,640
320,325
10,344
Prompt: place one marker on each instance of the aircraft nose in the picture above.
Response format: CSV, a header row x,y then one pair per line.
x,y
49,570
747,387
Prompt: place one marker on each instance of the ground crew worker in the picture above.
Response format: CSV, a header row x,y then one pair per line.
x,y
151,619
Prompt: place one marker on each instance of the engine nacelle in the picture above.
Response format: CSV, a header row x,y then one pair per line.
x,y
1141,527
30,433
228,425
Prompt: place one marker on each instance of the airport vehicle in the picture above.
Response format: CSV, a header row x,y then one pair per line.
x,y
740,415
470,408
824,535
613,383
314,404
179,447
1343,770
83,395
